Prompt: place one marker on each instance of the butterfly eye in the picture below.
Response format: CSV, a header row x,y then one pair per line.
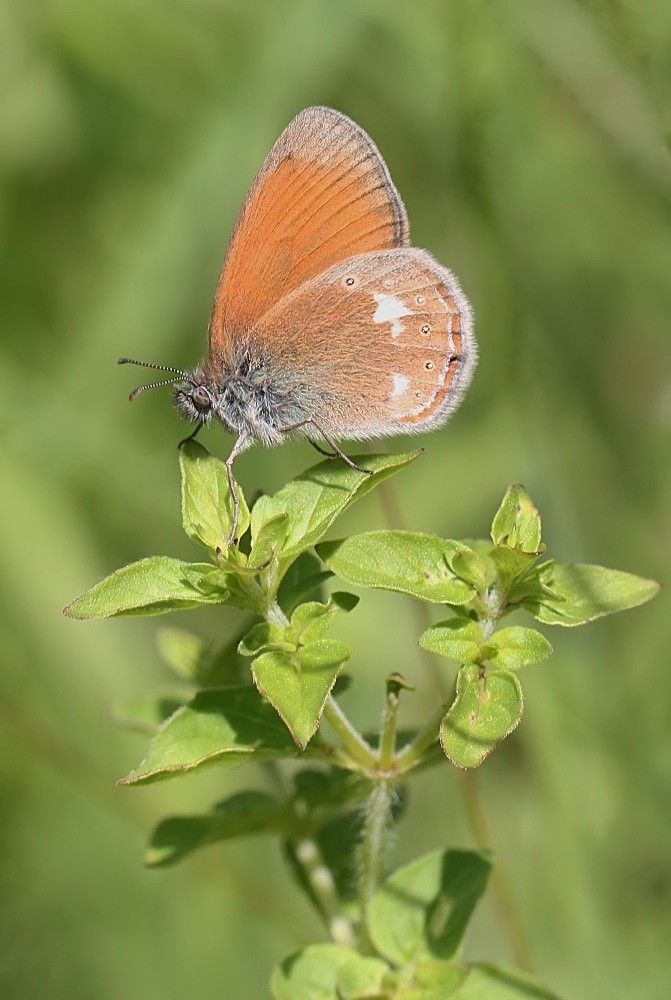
x,y
201,398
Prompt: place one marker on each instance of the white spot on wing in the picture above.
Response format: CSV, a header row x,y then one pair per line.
x,y
401,383
390,310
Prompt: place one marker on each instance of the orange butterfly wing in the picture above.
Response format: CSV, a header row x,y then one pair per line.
x,y
380,344
323,195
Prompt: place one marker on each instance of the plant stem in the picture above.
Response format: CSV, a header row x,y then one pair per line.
x,y
388,734
351,739
371,851
322,884
475,806
275,615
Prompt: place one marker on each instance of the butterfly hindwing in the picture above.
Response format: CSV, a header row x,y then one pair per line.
x,y
391,347
323,195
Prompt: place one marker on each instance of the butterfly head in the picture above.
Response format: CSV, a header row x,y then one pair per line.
x,y
239,399
195,395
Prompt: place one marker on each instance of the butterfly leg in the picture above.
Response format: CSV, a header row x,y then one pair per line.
x,y
322,451
239,446
338,452
192,435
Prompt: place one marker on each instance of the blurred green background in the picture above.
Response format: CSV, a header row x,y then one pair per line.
x,y
528,138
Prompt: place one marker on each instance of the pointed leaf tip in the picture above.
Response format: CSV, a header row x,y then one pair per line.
x,y
152,586
297,684
207,505
517,523
574,594
219,725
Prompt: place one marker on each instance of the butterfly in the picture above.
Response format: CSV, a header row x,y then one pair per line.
x,y
326,322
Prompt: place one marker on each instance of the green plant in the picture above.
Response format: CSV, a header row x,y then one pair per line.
x,y
394,937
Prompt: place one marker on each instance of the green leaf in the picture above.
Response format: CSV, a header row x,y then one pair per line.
x,y
152,586
303,580
219,726
240,815
471,568
182,651
207,508
308,624
515,647
265,636
405,561
457,638
295,667
232,581
146,714
298,684
517,523
585,593
422,910
454,981
485,711
314,499
434,981
530,589
328,791
223,666
269,541
310,621
199,663
363,977
311,974
495,982
510,564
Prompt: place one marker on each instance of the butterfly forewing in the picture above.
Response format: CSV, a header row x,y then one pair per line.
x,y
391,344
323,195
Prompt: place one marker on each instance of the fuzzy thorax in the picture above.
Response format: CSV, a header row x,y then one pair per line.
x,y
248,399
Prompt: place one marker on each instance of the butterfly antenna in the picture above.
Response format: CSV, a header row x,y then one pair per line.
x,y
179,375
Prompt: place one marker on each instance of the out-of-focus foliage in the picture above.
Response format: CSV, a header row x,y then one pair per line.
x,y
528,138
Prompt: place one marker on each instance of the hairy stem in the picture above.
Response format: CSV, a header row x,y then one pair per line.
x,y
275,615
371,852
